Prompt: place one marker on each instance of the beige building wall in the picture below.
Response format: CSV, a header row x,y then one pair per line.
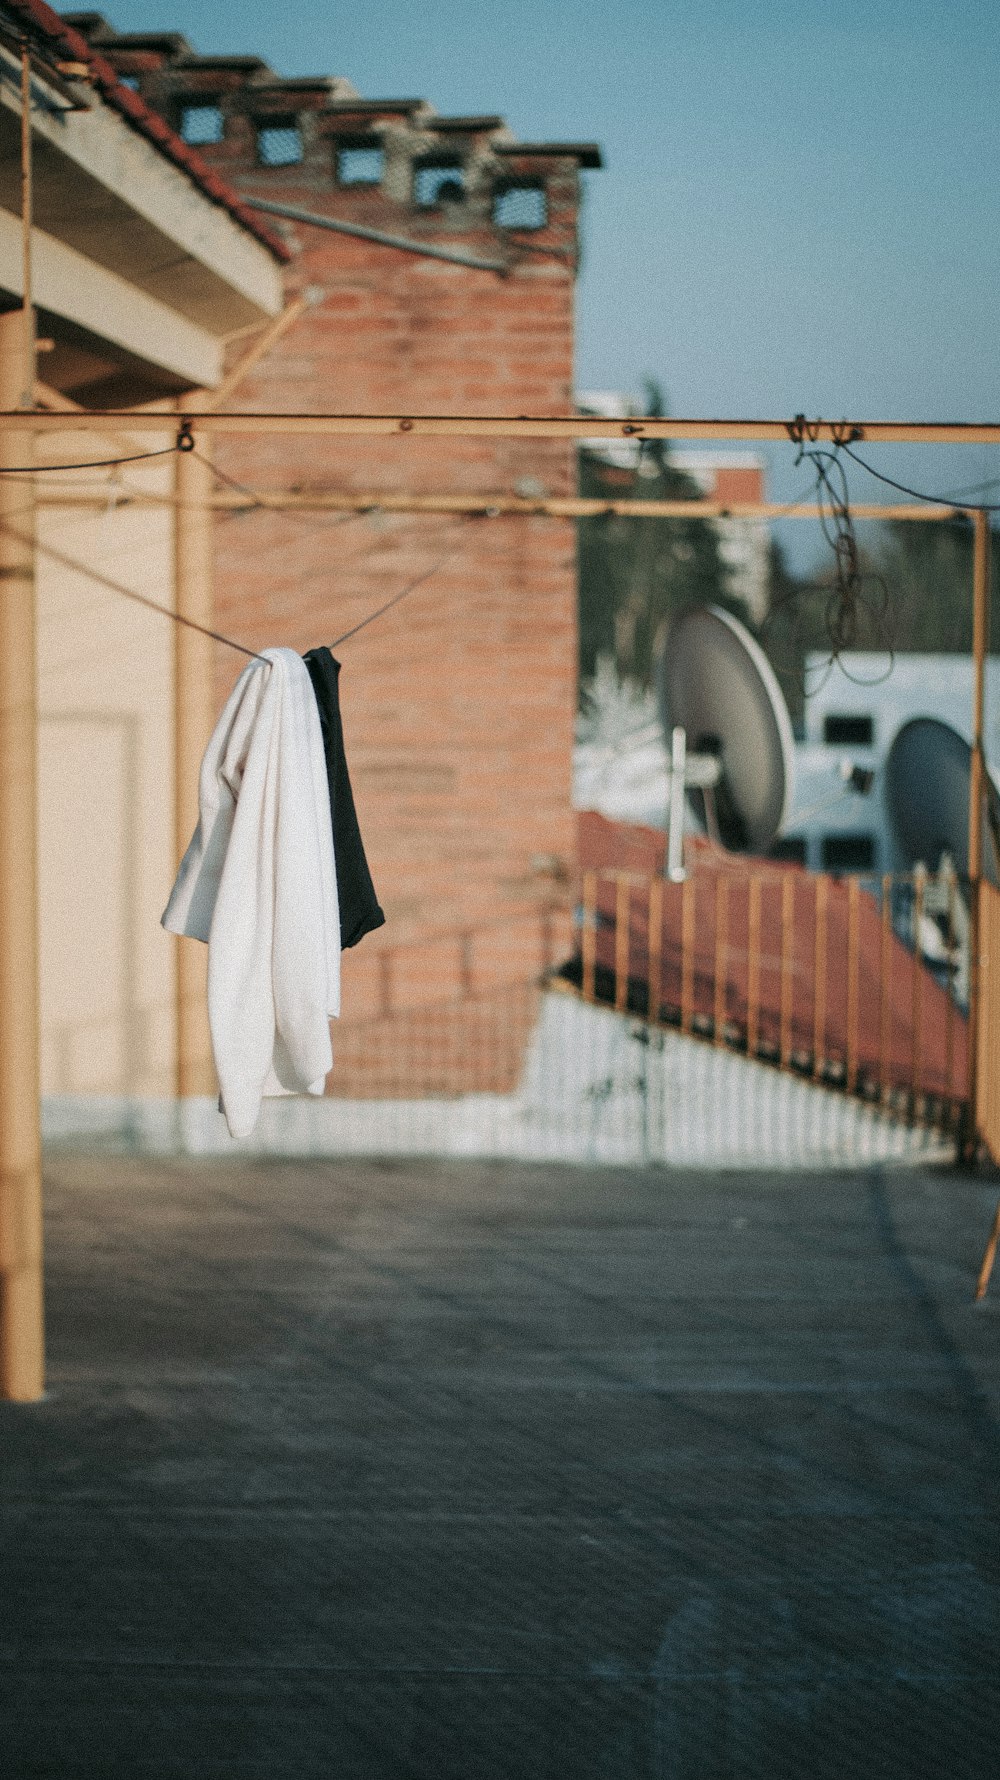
x,y
106,847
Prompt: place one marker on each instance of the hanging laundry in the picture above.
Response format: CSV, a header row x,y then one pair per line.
x,y
258,883
359,908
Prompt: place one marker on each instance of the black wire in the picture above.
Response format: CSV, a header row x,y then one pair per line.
x,y
256,505
252,495
935,500
411,586
856,590
129,593
417,581
141,599
954,495
101,463
240,487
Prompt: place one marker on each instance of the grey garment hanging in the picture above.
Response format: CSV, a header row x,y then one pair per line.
x,y
359,908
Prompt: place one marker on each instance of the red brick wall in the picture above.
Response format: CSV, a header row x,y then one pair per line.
x,y
459,704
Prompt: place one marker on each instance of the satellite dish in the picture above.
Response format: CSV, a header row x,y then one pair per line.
x,y
717,684
927,775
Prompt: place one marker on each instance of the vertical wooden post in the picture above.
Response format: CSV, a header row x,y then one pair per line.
x,y
819,975
917,1001
721,959
989,1257
853,910
980,630
22,1345
884,998
194,710
753,967
654,993
687,954
26,393
980,639
588,936
949,1018
787,965
623,917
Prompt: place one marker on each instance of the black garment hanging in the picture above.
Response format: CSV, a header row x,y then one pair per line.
x,y
359,909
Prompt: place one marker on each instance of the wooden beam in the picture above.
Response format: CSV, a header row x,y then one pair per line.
x,y
27,224
242,368
980,645
22,1362
488,426
194,715
323,500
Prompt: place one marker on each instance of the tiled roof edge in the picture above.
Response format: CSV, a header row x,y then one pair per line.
x,y
41,18
587,153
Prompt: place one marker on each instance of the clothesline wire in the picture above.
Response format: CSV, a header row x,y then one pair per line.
x,y
100,463
832,501
410,587
262,506
255,504
426,527
141,599
313,529
955,494
935,500
129,593
73,563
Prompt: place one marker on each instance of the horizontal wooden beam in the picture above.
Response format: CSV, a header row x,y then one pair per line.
x,y
483,426
280,501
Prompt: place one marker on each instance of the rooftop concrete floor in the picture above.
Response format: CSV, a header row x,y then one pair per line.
x,y
367,1471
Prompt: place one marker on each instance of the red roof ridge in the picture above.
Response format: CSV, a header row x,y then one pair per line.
x,y
47,23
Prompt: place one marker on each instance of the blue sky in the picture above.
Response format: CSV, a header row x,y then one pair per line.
x,y
801,204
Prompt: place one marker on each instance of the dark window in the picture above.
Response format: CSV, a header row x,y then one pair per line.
x,y
201,123
438,182
848,852
132,82
520,207
360,163
791,847
279,144
849,731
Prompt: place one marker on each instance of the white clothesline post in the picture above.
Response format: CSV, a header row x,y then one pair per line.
x,y
675,821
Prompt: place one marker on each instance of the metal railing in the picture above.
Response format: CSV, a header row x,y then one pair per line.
x,y
860,983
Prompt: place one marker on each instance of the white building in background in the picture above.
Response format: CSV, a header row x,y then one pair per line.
x,y
851,720
744,544
621,766
724,476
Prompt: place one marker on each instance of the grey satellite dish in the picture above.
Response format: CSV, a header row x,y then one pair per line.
x,y
927,775
717,684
